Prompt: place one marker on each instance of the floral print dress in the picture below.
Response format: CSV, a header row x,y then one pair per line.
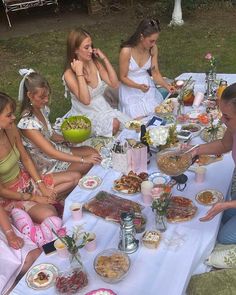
x,y
44,163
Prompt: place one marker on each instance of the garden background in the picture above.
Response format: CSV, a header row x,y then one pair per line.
x,y
38,37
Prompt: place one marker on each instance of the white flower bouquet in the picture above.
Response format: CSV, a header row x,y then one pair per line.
x,y
161,136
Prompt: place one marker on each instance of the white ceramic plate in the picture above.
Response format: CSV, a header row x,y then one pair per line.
x,y
216,197
133,125
90,182
48,269
191,127
124,191
159,178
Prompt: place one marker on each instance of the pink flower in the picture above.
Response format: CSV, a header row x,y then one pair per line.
x,y
61,232
208,56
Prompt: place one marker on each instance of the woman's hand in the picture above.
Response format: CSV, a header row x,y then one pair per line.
x,y
171,88
215,209
14,241
98,53
143,87
48,192
77,67
44,199
94,158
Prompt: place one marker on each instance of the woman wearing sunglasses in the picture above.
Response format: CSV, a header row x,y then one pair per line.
x,y
138,59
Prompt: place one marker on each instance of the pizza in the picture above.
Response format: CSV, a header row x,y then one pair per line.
x,y
110,207
180,209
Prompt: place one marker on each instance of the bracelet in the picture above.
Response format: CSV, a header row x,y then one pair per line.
x,y
82,159
38,181
8,231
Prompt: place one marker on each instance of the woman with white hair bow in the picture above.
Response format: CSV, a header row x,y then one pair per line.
x,y
46,147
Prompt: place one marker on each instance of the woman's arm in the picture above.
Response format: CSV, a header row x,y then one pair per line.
x,y
156,75
217,208
124,60
13,240
76,82
108,73
217,147
45,146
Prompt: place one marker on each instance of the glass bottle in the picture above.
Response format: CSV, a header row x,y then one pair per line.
x,y
144,141
223,84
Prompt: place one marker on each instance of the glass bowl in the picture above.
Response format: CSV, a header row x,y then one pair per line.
x,y
73,130
173,162
208,136
111,265
71,281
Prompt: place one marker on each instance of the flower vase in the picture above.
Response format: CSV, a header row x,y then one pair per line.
x,y
75,258
161,221
212,74
180,109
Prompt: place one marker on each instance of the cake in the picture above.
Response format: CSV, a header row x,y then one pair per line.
x,y
151,239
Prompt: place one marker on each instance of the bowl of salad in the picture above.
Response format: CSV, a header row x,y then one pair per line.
x,y
76,129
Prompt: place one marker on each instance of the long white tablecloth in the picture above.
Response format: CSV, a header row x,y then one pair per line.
x,y
167,269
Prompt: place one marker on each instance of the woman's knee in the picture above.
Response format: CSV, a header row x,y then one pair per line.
x,y
227,233
75,177
116,126
39,212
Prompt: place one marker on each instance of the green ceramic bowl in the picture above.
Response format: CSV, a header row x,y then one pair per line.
x,y
73,130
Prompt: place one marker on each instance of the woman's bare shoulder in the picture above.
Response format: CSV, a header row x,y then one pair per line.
x,y
126,51
68,74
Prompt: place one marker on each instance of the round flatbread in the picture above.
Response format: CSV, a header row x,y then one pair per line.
x,y
180,209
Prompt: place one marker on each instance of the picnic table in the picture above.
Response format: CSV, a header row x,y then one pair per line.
x,y
183,248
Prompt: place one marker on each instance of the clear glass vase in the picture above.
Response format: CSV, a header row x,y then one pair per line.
x,y
161,221
75,258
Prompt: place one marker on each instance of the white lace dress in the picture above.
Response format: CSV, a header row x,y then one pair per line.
x,y
98,111
133,101
44,163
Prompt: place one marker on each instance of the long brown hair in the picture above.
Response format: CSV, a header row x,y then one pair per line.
x,y
5,100
32,81
146,28
229,94
74,40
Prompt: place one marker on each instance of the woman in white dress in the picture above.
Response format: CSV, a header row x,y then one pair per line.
x,y
88,72
17,253
138,57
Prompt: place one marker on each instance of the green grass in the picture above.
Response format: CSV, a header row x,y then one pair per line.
x,y
181,49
